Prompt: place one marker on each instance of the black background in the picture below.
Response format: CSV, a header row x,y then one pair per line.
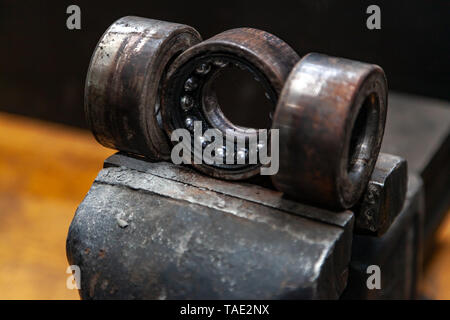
x,y
43,64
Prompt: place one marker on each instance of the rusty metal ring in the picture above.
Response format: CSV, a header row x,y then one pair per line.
x,y
189,93
122,93
331,116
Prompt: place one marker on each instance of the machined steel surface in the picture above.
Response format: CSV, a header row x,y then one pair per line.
x,y
159,231
122,94
331,116
189,93
384,196
398,253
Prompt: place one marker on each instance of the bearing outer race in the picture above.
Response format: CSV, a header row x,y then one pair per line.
x,y
271,56
123,83
315,114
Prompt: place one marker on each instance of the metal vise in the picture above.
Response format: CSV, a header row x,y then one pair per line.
x,y
149,229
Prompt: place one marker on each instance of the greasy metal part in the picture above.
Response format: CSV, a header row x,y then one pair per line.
x,y
122,93
331,116
189,93
384,196
398,253
138,235
418,129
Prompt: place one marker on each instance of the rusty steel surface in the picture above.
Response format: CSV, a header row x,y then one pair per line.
x,y
331,116
398,253
384,196
122,94
189,93
139,234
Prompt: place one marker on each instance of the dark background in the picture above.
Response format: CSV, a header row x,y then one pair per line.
x,y
43,64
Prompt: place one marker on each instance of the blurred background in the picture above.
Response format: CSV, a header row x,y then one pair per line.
x,y
48,159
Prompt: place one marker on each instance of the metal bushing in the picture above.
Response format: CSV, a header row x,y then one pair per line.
x,y
331,116
189,93
122,94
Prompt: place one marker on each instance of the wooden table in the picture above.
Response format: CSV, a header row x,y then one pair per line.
x,y
45,171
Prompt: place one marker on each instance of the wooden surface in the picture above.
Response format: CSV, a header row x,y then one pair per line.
x,y
45,171
436,278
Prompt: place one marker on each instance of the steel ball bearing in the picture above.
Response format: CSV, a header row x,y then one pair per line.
x,y
189,94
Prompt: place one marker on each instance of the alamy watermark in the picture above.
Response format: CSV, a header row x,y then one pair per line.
x,y
74,280
73,22
374,20
374,280
248,146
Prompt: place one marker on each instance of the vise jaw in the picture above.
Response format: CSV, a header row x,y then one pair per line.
x,y
159,231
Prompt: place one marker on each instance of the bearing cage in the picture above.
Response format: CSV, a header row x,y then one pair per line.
x,y
204,105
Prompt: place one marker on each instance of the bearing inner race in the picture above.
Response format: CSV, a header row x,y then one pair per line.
x,y
197,101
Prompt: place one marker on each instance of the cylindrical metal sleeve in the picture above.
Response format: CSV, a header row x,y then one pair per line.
x,y
264,55
122,93
331,116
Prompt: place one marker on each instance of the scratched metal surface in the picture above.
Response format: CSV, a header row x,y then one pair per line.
x,y
138,234
398,253
384,196
245,191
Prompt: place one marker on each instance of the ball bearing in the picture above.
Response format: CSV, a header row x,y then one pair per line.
x,y
189,95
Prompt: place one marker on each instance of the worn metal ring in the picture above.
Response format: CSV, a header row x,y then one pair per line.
x,y
331,116
122,93
189,93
